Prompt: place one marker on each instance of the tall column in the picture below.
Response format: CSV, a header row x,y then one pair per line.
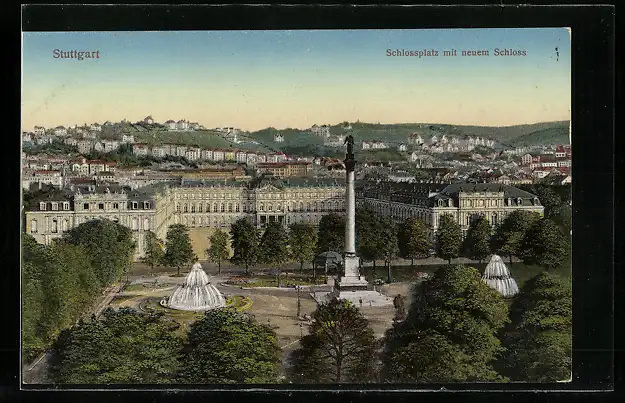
x,y
350,224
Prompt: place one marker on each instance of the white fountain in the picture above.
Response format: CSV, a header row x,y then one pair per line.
x,y
497,276
196,293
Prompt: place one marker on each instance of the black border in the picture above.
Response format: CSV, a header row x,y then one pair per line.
x,y
593,142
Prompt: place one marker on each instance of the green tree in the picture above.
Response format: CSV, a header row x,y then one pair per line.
x,y
218,250
545,245
388,243
178,249
538,339
549,198
331,233
244,237
448,238
340,347
477,242
273,246
228,347
303,243
414,242
71,285
154,250
32,307
450,333
111,247
509,234
124,347
368,235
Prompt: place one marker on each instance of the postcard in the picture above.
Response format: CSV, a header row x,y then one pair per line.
x,y
304,207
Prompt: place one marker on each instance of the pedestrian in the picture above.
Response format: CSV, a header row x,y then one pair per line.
x,y
360,300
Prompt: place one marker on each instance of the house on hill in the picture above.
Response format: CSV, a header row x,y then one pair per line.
x,y
149,120
171,124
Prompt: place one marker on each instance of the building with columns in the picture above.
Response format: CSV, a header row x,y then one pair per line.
x,y
212,204
219,203
464,201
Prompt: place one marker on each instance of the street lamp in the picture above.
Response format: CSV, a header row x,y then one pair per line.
x,y
298,301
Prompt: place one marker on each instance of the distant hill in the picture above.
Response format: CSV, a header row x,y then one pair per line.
x,y
519,135
298,140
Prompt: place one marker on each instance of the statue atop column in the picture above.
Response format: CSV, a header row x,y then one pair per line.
x,y
350,161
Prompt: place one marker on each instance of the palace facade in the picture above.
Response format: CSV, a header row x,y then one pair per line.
x,y
428,202
219,203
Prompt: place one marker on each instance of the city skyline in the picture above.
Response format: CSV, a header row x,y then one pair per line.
x,y
258,79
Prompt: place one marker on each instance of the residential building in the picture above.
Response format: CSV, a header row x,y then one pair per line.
x,y
285,169
149,120
128,138
140,149
60,131
278,138
39,130
171,124
95,127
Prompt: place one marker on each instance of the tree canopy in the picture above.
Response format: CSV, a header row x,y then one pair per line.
x,y
178,249
538,340
448,238
303,242
273,247
123,346
414,242
244,238
110,245
154,250
218,250
340,347
545,245
228,347
477,242
331,233
450,333
510,233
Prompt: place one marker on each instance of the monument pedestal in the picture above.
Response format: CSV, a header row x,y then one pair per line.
x,y
351,281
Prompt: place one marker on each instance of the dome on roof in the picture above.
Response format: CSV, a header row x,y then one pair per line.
x,y
196,293
497,276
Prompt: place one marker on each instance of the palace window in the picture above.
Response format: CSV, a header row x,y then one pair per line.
x,y
185,208
236,207
199,208
146,224
33,226
261,207
146,205
85,206
65,205
223,208
519,201
134,205
229,207
269,207
244,207
135,224
55,226
42,206
193,208
65,225
55,206
100,206
177,208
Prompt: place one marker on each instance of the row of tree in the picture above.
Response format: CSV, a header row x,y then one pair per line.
x,y
62,280
129,347
535,240
456,329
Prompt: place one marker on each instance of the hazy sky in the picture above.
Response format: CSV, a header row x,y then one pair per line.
x,y
256,79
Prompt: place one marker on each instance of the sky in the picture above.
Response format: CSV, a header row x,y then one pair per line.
x,y
258,79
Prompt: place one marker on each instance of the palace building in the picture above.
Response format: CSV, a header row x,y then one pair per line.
x,y
464,201
212,204
219,203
